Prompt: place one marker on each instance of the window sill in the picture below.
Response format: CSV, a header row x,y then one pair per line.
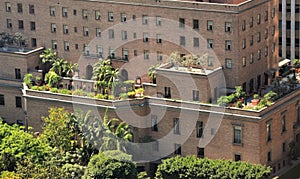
x,y
238,144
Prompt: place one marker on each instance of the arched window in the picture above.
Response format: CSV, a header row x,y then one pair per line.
x,y
124,74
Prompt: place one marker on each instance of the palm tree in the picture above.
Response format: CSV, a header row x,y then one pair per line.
x,y
59,66
48,56
152,73
70,68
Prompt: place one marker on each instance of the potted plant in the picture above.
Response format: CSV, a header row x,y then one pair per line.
x,y
38,80
255,99
239,93
28,79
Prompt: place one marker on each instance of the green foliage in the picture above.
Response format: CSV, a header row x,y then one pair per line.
x,y
28,79
52,78
73,170
54,90
143,175
255,96
101,96
131,94
9,175
79,92
118,155
193,167
231,98
239,93
34,87
270,96
222,101
64,91
296,63
239,104
152,72
102,166
123,96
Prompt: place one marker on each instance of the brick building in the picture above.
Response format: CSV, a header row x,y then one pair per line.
x,y
238,35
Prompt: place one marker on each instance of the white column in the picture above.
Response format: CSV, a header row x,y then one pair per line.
x,y
293,22
283,29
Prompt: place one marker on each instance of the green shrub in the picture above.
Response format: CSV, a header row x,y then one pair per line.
x,y
111,97
222,101
42,88
131,94
64,91
91,94
101,96
193,167
79,92
123,95
34,87
28,79
231,98
239,104
270,96
54,90
255,96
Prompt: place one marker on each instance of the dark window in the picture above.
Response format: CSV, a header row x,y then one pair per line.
x,y
33,42
167,92
31,9
195,95
74,12
199,128
176,127
20,8
18,73
2,99
283,147
181,22
18,102
237,157
269,156
269,131
237,136
177,149
195,24
154,123
283,123
200,152
21,24
32,26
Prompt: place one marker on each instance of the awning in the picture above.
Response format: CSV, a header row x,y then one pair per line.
x,y
283,62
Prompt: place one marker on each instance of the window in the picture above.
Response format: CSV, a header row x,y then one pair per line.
x,y
20,8
227,26
182,40
98,32
134,35
53,27
97,15
146,54
176,127
75,29
21,24
237,157
167,92
65,29
99,50
228,63
111,53
124,35
84,14
154,123
273,30
18,102
54,44
283,122
66,46
155,146
33,42
32,26
8,7
195,24
199,129
251,40
251,58
177,150
86,49
158,21
269,131
258,18
158,38
181,22
210,43
244,25
244,44
159,56
196,42
237,134
251,22
258,37
111,34
135,53
52,11
266,33
195,95
85,31
228,45
273,13
65,12
283,147
2,102
273,47
266,51
133,17
31,9
258,54
76,46
266,15
269,156
18,73
210,61
145,37
123,17
145,19
244,61
200,152
74,12
9,23
209,25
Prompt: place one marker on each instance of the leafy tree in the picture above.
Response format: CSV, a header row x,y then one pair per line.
x,y
152,73
52,78
48,56
193,167
103,166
